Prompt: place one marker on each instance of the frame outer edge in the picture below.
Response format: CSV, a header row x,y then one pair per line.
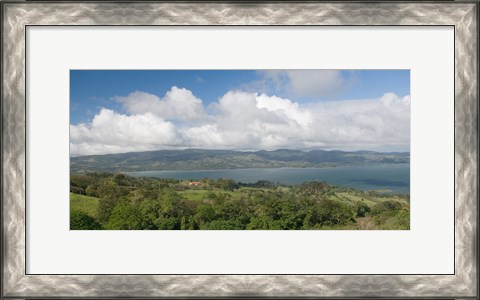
x,y
18,14
466,150
13,150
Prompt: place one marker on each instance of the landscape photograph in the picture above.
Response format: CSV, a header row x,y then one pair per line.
x,y
239,150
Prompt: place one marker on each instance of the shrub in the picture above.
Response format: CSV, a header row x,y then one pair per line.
x,y
362,209
82,221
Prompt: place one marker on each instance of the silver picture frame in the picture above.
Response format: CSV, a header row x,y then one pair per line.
x,y
17,15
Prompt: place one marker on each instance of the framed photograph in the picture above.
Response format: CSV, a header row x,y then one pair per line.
x,y
231,150
240,149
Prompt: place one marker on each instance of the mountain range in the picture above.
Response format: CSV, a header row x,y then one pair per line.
x,y
201,159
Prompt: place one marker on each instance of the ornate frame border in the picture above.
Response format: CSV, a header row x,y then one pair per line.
x,y
463,15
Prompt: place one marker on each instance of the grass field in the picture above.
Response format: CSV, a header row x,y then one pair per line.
x,y
85,204
353,197
199,194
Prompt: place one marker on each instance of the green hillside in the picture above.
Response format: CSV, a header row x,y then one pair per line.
x,y
199,159
118,201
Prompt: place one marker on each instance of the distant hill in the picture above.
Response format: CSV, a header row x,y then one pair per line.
x,y
200,159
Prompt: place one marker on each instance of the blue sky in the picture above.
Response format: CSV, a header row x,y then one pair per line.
x,y
115,111
91,90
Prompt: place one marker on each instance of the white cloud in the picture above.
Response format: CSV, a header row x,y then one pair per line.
x,y
245,121
204,136
178,104
110,132
382,123
250,121
284,107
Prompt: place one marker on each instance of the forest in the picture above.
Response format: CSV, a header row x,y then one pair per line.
x,y
115,201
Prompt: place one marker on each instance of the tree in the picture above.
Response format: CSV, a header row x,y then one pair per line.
x,y
313,188
77,190
226,184
91,190
362,209
391,214
109,197
204,214
331,213
82,221
385,206
125,216
105,209
264,223
289,215
223,225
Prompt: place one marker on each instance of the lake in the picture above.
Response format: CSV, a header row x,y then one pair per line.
x,y
394,177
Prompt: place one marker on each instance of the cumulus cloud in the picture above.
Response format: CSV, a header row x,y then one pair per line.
x,y
382,123
245,121
178,104
111,132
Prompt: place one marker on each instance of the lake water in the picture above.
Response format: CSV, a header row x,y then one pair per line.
x,y
394,177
